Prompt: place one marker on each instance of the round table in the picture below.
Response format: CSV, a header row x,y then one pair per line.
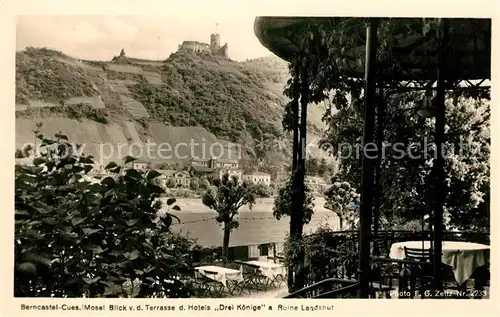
x,y
463,257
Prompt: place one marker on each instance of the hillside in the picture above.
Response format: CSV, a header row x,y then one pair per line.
x,y
184,98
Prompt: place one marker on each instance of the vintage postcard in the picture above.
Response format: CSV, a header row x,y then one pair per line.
x,y
186,157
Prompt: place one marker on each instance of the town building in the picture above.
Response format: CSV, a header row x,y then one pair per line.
x,y
138,165
201,171
215,163
257,178
212,167
182,179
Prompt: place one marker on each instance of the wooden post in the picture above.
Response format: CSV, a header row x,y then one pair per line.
x,y
377,188
368,160
301,168
294,216
439,160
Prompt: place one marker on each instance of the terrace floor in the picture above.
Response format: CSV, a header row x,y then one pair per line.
x,y
279,292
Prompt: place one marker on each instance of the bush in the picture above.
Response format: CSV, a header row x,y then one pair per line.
x,y
170,183
194,184
261,191
76,238
406,225
283,202
204,184
182,193
327,254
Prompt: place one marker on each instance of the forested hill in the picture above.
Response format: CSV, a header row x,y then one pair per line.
x,y
130,100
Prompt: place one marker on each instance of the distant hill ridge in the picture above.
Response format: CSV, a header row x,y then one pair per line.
x,y
181,98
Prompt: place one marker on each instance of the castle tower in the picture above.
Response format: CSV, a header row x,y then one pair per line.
x,y
214,41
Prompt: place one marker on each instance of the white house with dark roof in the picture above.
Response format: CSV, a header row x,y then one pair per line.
x,y
257,178
182,179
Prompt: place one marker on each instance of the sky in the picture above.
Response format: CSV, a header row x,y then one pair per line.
x,y
96,37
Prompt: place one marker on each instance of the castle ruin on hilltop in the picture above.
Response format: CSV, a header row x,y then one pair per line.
x,y
120,59
214,48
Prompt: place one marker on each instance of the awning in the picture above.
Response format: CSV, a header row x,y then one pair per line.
x,y
470,44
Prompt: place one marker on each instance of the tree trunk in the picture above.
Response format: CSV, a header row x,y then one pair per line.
x,y
340,214
225,242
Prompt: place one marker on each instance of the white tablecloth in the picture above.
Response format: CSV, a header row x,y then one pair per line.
x,y
463,257
222,275
269,269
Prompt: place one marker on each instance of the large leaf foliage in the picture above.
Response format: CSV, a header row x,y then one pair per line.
x,y
110,238
405,181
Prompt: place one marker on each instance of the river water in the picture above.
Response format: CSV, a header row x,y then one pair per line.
x,y
257,225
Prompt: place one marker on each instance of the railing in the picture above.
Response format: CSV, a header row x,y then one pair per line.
x,y
389,276
350,240
392,277
328,288
331,269
411,279
351,291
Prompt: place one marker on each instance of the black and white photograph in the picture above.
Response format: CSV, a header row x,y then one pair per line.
x,y
235,155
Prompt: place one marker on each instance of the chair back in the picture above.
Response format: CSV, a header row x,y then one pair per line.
x,y
419,255
247,267
382,242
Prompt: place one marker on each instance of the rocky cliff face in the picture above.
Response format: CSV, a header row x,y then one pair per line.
x,y
186,98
